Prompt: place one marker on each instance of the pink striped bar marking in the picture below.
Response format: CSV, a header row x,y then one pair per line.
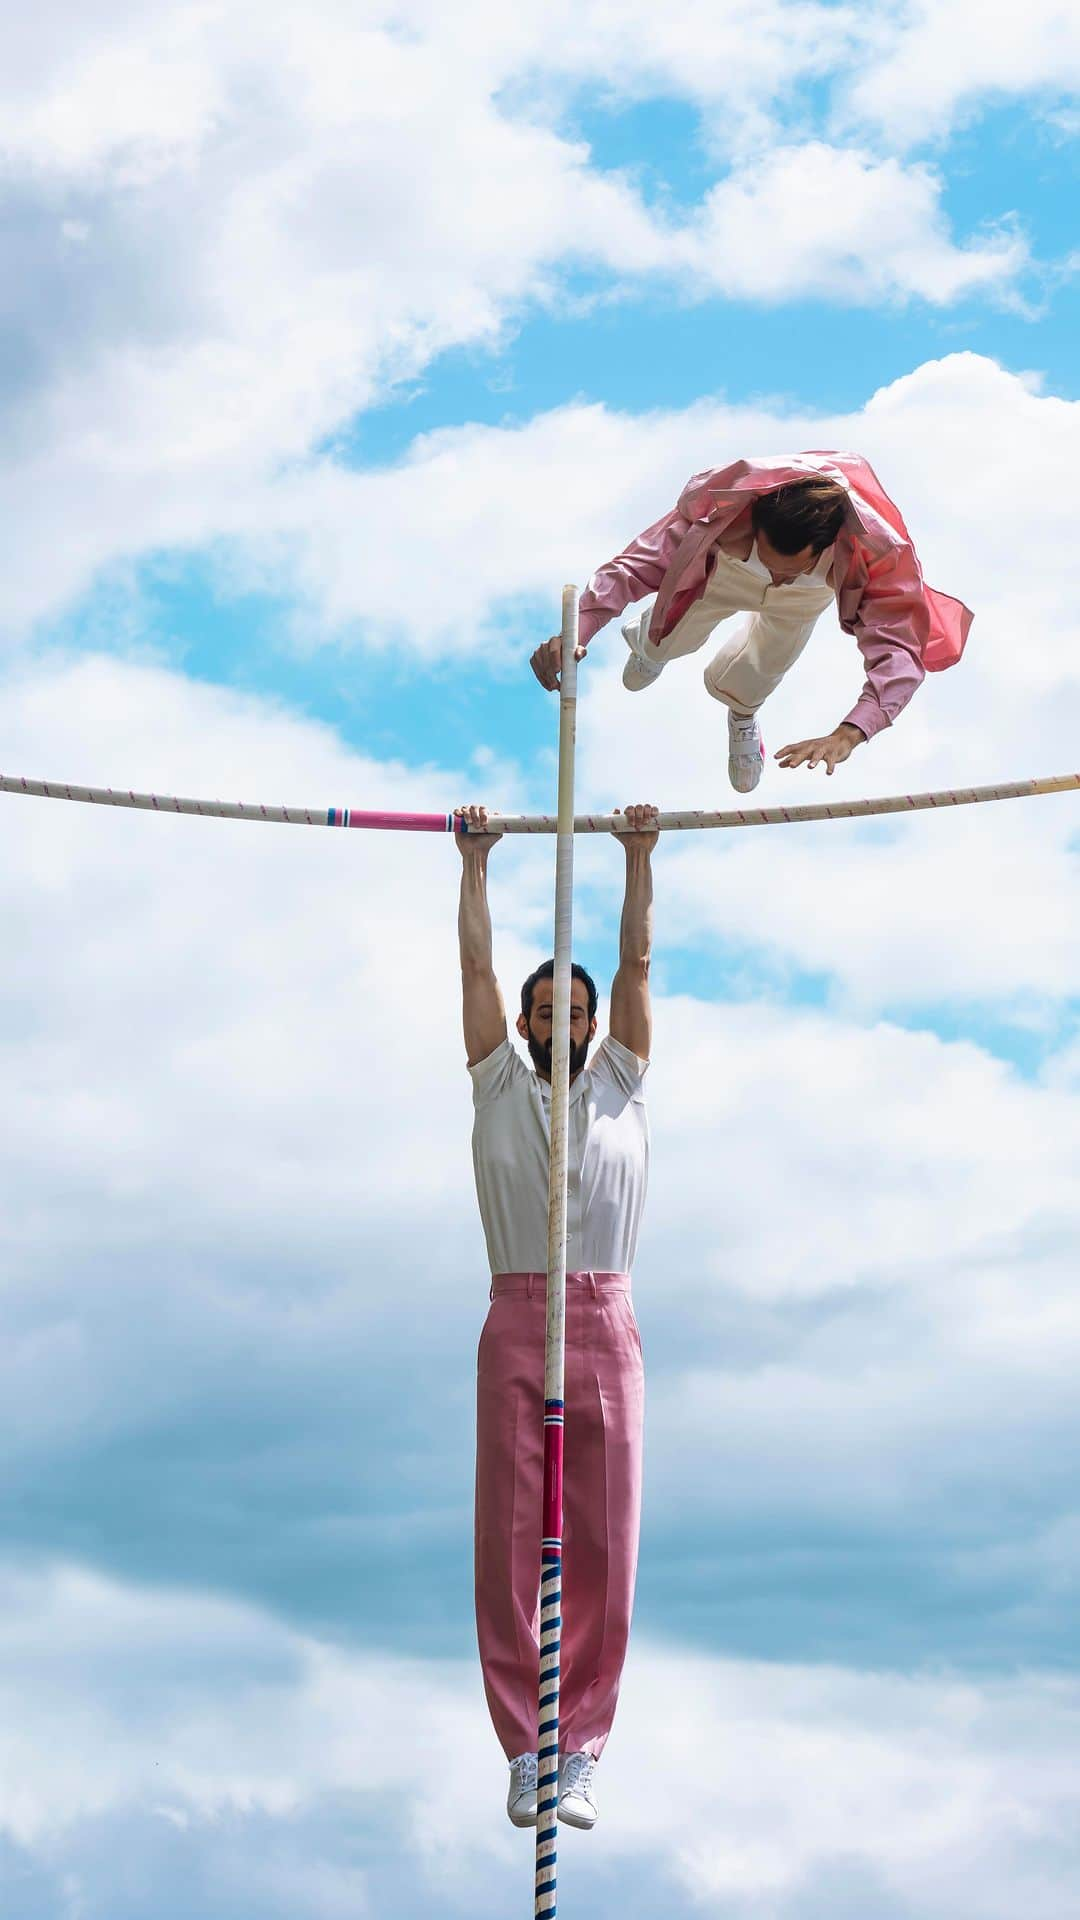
x,y
392,822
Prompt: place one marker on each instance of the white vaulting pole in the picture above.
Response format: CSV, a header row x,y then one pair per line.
x,y
546,1892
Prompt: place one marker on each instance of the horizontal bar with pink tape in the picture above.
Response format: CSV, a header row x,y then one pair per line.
x,y
677,821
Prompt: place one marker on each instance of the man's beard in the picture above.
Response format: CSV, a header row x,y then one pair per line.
x,y
540,1054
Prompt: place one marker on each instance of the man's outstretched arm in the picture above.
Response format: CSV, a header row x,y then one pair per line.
x,y
637,570
892,630
483,1013
631,1007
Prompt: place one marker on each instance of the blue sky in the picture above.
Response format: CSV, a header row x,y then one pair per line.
x,y
329,349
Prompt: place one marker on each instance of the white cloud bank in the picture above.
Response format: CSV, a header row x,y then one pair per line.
x,y
227,234
741,1788
924,68
983,462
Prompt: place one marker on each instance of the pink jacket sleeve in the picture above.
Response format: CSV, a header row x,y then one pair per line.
x,y
634,572
892,628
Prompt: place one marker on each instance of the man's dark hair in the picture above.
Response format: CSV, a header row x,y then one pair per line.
x,y
547,972
804,513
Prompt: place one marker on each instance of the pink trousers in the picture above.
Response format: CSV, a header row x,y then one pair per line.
x,y
604,1394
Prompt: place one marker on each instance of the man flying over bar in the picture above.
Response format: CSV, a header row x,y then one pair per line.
x,y
608,1160
780,539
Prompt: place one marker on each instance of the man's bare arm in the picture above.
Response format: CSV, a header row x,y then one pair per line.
x,y
483,1013
631,1007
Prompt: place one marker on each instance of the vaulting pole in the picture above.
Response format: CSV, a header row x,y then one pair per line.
x,y
546,1893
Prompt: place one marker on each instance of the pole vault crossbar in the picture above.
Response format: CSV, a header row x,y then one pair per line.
x,y
672,821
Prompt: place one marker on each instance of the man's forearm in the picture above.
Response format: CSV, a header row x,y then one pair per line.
x,y
474,915
635,931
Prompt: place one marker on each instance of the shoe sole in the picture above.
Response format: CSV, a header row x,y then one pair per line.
x,y
758,768
735,783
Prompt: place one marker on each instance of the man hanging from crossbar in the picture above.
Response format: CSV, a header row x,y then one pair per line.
x,y
779,539
608,1160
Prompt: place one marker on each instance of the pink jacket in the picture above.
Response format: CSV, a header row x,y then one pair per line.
x,y
904,628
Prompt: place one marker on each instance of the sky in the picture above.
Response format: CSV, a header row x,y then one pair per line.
x,y
333,341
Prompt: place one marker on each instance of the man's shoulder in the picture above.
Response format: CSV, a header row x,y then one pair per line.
x,y
618,1066
499,1073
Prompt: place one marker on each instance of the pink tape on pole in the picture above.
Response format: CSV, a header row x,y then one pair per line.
x,y
398,822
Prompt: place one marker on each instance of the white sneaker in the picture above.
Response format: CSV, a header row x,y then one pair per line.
x,y
639,673
746,751
577,1794
521,1797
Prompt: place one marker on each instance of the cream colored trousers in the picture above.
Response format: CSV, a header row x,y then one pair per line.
x,y
754,658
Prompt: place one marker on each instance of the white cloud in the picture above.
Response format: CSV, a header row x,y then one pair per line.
x,y
967,447
842,225
738,1783
898,1153
929,69
228,235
